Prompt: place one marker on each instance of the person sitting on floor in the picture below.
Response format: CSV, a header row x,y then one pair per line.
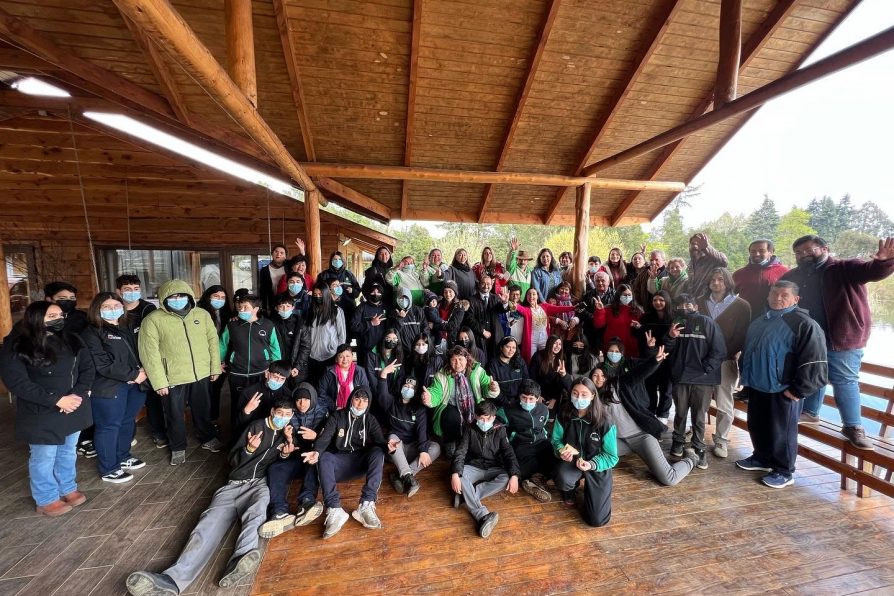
x,y
484,464
244,497
255,400
526,418
407,420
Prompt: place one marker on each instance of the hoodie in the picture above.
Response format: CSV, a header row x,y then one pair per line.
x,y
409,324
408,421
314,419
483,450
753,283
178,348
252,465
346,433
367,334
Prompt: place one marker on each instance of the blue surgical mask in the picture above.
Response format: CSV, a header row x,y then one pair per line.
x,y
528,406
217,303
274,384
403,303
626,299
279,422
112,315
357,412
177,303
582,403
131,296
338,291
410,268
407,393
337,263
614,357
485,425
286,313
295,288
245,315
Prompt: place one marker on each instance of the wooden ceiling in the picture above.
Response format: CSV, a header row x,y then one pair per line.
x,y
533,86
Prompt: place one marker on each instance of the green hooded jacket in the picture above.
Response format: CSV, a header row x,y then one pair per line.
x,y
178,350
443,387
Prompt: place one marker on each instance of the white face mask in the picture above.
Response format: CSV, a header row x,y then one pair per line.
x,y
421,349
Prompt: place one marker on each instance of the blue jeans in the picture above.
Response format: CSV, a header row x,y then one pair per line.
x,y
844,376
51,469
115,419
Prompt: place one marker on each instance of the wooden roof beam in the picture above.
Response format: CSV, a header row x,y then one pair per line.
x,y
548,22
370,172
730,51
241,47
411,102
755,43
168,28
667,14
160,70
355,198
289,50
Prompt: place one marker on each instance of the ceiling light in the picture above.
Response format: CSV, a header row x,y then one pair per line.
x,y
194,152
32,86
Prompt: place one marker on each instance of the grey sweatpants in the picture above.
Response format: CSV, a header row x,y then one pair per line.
x,y
648,449
723,399
479,484
245,502
693,400
406,457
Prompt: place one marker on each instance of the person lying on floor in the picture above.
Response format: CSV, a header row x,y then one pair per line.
x,y
244,497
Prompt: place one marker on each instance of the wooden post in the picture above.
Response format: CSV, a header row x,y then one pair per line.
x,y
730,52
581,237
5,306
241,48
313,247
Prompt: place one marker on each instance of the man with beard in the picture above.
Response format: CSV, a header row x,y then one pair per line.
x,y
753,281
704,259
833,291
269,276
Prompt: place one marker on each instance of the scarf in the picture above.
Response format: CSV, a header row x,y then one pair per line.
x,y
345,385
464,267
465,401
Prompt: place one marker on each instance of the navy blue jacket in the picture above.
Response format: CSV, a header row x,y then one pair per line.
x,y
698,352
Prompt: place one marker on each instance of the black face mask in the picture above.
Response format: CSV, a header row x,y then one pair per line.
x,y
577,350
66,305
56,325
390,343
375,298
466,343
318,299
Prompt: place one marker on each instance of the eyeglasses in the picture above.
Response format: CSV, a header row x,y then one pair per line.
x,y
807,252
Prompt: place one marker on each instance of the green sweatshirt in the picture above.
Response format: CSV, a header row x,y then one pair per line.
x,y
517,275
604,459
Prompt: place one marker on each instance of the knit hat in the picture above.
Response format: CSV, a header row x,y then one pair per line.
x,y
451,285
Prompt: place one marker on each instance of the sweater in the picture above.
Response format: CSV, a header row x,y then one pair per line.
x,y
618,325
753,283
484,450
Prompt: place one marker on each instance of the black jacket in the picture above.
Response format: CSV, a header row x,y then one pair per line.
x,y
268,398
393,383
114,352
250,346
409,421
485,450
423,372
136,315
76,321
550,383
630,390
526,428
368,335
314,419
485,316
253,465
328,387
508,376
698,353
38,388
346,433
294,343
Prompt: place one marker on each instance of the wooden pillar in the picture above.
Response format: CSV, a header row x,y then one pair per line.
x,y
730,52
581,236
312,241
241,48
5,305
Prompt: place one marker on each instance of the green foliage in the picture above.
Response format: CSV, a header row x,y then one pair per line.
x,y
763,221
870,219
793,225
828,218
852,244
728,235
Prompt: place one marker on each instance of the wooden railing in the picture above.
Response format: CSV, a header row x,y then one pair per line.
x,y
870,470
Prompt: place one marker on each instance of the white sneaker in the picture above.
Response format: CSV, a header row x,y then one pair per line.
x,y
366,515
335,519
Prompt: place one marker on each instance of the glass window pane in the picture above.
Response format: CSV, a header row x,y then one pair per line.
x,y
21,284
241,268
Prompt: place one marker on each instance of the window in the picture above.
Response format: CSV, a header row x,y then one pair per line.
x,y
21,275
200,269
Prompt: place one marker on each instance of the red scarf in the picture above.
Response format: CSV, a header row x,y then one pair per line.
x,y
344,385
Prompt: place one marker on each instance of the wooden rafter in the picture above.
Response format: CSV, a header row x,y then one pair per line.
x,y
411,102
355,198
669,11
290,51
160,70
545,30
729,52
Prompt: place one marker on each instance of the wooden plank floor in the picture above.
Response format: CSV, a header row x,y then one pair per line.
x,y
719,531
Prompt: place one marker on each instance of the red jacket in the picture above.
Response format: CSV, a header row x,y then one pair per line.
x,y
753,283
618,326
845,299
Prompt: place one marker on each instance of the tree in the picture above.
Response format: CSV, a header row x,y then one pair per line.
x,y
825,218
792,225
870,219
599,241
852,244
727,234
763,221
415,241
671,236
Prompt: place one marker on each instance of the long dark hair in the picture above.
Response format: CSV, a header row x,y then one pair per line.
x,y
516,360
94,313
33,344
553,264
621,266
397,351
226,311
668,312
616,301
596,413
413,358
549,362
325,311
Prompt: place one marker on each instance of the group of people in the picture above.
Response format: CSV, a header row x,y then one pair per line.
x,y
518,377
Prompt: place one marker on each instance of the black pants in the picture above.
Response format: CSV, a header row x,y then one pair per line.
x,y
659,388
773,426
155,415
237,384
316,369
533,459
597,491
197,395
216,388
451,425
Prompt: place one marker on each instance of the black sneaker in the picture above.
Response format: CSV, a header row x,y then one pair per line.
x,y
240,568
397,483
118,477
132,463
457,500
676,449
702,459
412,485
160,442
308,512
86,449
488,523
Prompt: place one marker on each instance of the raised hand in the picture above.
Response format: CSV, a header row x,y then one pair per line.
x,y
426,397
653,270
252,404
885,249
675,330
308,434
650,339
598,305
300,244
661,355
701,241
504,294
425,263
513,243
389,368
376,320
254,441
560,368
494,386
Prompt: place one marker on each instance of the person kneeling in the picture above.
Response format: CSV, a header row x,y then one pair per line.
x,y
585,442
483,465
244,497
350,445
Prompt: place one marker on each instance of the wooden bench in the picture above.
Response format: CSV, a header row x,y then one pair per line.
x,y
870,470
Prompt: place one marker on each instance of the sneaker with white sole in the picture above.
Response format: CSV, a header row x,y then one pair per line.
x,y
752,464
132,463
308,512
702,463
160,442
676,449
720,450
240,569
178,457
214,445
276,525
856,436
145,583
118,477
777,480
335,519
488,523
366,515
133,442
86,449
537,491
808,418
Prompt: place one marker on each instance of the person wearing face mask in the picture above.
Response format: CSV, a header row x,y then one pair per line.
x,y
580,359
405,277
483,318
296,291
247,347
380,269
216,303
484,465
243,499
409,320
508,369
594,266
270,275
294,338
297,264
834,292
466,339
423,361
116,395
180,351
350,288
753,281
50,372
585,441
385,359
407,420
656,323
255,400
340,379
130,291
326,323
695,368
620,319
351,444
370,318
526,418
65,296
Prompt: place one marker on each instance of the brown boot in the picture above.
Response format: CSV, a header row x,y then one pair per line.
x,y
54,509
75,498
